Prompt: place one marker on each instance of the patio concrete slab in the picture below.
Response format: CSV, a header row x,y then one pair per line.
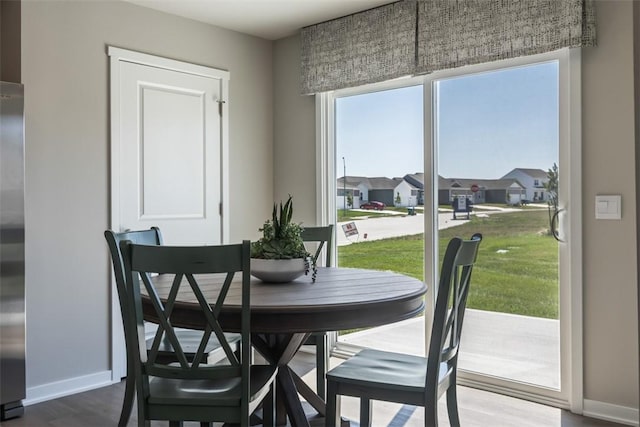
x,y
492,343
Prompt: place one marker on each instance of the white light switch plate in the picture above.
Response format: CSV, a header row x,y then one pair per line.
x,y
609,207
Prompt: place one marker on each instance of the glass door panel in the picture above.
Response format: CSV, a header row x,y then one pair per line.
x,y
498,151
380,198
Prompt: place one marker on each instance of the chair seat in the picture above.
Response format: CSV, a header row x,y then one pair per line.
x,y
190,341
391,371
218,392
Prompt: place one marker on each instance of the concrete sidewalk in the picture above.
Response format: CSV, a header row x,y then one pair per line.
x,y
393,226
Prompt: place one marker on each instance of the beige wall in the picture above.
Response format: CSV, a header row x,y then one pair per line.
x,y
610,279
294,155
609,247
65,72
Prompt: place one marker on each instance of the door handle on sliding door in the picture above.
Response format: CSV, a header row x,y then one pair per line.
x,y
554,225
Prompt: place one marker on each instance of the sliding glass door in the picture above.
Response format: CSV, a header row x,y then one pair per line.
x,y
500,150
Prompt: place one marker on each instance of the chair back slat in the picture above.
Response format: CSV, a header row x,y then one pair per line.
x,y
211,314
324,237
159,336
164,314
451,300
144,263
188,259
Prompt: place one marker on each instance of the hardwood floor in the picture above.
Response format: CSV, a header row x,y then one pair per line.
x,y
101,407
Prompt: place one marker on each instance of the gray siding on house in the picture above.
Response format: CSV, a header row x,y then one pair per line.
x,y
443,197
496,196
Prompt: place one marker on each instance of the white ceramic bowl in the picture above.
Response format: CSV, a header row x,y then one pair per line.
x,y
277,270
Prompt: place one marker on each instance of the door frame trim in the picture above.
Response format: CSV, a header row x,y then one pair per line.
x,y
116,57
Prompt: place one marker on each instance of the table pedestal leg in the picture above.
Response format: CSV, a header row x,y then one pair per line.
x,y
279,349
310,396
290,397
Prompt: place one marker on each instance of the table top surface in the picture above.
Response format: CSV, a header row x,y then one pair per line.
x,y
341,298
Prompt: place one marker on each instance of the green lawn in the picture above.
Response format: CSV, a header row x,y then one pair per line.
x,y
522,280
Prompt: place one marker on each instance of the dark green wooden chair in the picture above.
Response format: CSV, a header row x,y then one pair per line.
x,y
401,378
189,339
324,237
192,390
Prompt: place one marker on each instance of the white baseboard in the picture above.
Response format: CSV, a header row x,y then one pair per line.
x,y
609,412
67,387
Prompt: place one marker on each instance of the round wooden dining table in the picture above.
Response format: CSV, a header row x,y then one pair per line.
x,y
283,315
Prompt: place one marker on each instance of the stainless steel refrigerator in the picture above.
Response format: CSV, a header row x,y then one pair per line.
x,y
12,302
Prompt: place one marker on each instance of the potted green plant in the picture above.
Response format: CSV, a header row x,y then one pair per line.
x,y
280,255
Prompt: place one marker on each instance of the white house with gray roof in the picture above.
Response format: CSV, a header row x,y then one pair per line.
x,y
355,186
533,180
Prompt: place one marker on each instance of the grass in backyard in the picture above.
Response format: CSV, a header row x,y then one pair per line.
x,y
517,269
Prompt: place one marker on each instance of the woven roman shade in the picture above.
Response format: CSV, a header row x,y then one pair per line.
x,y
453,33
421,36
367,47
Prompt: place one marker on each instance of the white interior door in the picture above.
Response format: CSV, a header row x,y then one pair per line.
x,y
169,151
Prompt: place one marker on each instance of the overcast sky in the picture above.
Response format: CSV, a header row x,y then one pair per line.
x,y
487,125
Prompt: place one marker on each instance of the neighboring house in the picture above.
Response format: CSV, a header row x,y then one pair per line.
x,y
381,189
342,202
405,193
518,185
417,180
508,191
356,186
409,190
533,181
